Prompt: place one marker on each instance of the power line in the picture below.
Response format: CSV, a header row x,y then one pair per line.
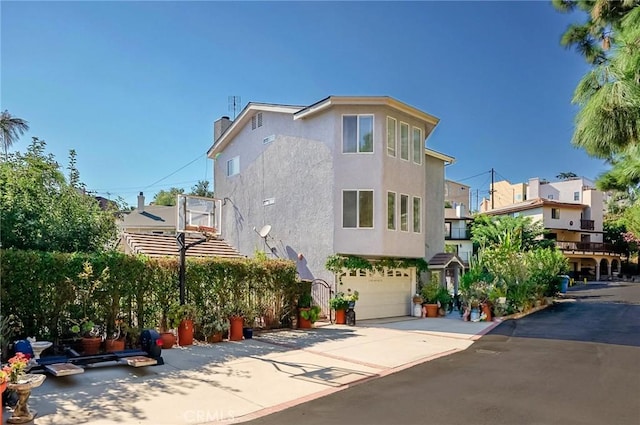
x,y
472,177
179,169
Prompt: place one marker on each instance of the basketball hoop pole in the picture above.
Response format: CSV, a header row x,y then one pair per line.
x,y
183,245
181,274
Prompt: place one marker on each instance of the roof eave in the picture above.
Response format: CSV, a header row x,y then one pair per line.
x,y
237,124
439,155
364,100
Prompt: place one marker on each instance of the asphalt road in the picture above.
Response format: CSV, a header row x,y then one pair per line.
x,y
572,363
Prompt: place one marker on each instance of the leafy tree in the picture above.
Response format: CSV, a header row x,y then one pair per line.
x,y
608,123
593,37
39,210
521,233
11,128
167,198
202,189
566,176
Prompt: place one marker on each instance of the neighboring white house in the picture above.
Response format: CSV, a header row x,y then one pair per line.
x,y
457,237
345,175
572,213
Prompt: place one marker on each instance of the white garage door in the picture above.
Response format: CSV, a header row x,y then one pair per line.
x,y
386,294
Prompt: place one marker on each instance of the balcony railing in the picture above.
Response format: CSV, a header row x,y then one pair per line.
x,y
458,234
588,247
586,224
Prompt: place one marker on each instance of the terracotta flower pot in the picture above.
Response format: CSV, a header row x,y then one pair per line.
x,y
111,345
340,318
185,332
91,345
486,309
432,310
302,322
216,337
3,387
168,340
235,328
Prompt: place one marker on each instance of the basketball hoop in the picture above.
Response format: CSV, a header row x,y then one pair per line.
x,y
208,231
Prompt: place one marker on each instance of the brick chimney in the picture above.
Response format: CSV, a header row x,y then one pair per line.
x,y
220,126
140,202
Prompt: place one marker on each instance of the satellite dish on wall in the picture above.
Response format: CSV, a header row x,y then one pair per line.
x,y
264,232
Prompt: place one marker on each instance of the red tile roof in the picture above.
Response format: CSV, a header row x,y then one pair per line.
x,y
157,245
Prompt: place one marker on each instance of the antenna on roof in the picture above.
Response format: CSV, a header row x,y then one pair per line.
x,y
234,105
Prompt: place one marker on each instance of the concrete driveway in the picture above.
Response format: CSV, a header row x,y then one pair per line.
x,y
237,381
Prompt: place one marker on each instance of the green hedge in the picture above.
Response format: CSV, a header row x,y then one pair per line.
x,y
49,291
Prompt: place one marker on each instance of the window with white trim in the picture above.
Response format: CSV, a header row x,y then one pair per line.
x,y
357,209
233,166
576,196
555,213
417,215
391,210
404,141
404,213
391,136
357,133
418,146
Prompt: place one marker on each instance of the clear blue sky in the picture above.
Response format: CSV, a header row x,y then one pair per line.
x,y
135,87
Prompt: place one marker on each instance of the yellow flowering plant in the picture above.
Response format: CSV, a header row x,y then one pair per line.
x,y
16,367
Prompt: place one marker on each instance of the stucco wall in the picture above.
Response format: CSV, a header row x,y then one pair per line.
x,y
293,175
434,207
381,173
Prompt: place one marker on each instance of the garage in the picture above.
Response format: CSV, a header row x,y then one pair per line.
x,y
382,294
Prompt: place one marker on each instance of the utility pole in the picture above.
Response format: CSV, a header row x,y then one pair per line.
x,y
491,191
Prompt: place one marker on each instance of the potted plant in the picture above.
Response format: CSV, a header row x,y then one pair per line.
x,y
309,316
304,305
443,298
215,328
339,304
249,322
117,340
352,297
235,313
90,334
181,316
430,296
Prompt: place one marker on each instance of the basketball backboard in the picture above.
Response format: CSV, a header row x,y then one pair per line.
x,y
198,214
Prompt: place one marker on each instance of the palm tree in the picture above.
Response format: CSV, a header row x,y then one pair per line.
x,y
608,123
566,176
11,128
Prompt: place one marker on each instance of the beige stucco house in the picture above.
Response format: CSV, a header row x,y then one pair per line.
x,y
345,175
572,213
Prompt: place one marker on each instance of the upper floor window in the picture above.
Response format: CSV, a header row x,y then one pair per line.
x,y
357,208
417,216
519,197
404,213
233,166
357,133
418,151
391,210
550,197
391,136
256,121
555,213
404,141
576,196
